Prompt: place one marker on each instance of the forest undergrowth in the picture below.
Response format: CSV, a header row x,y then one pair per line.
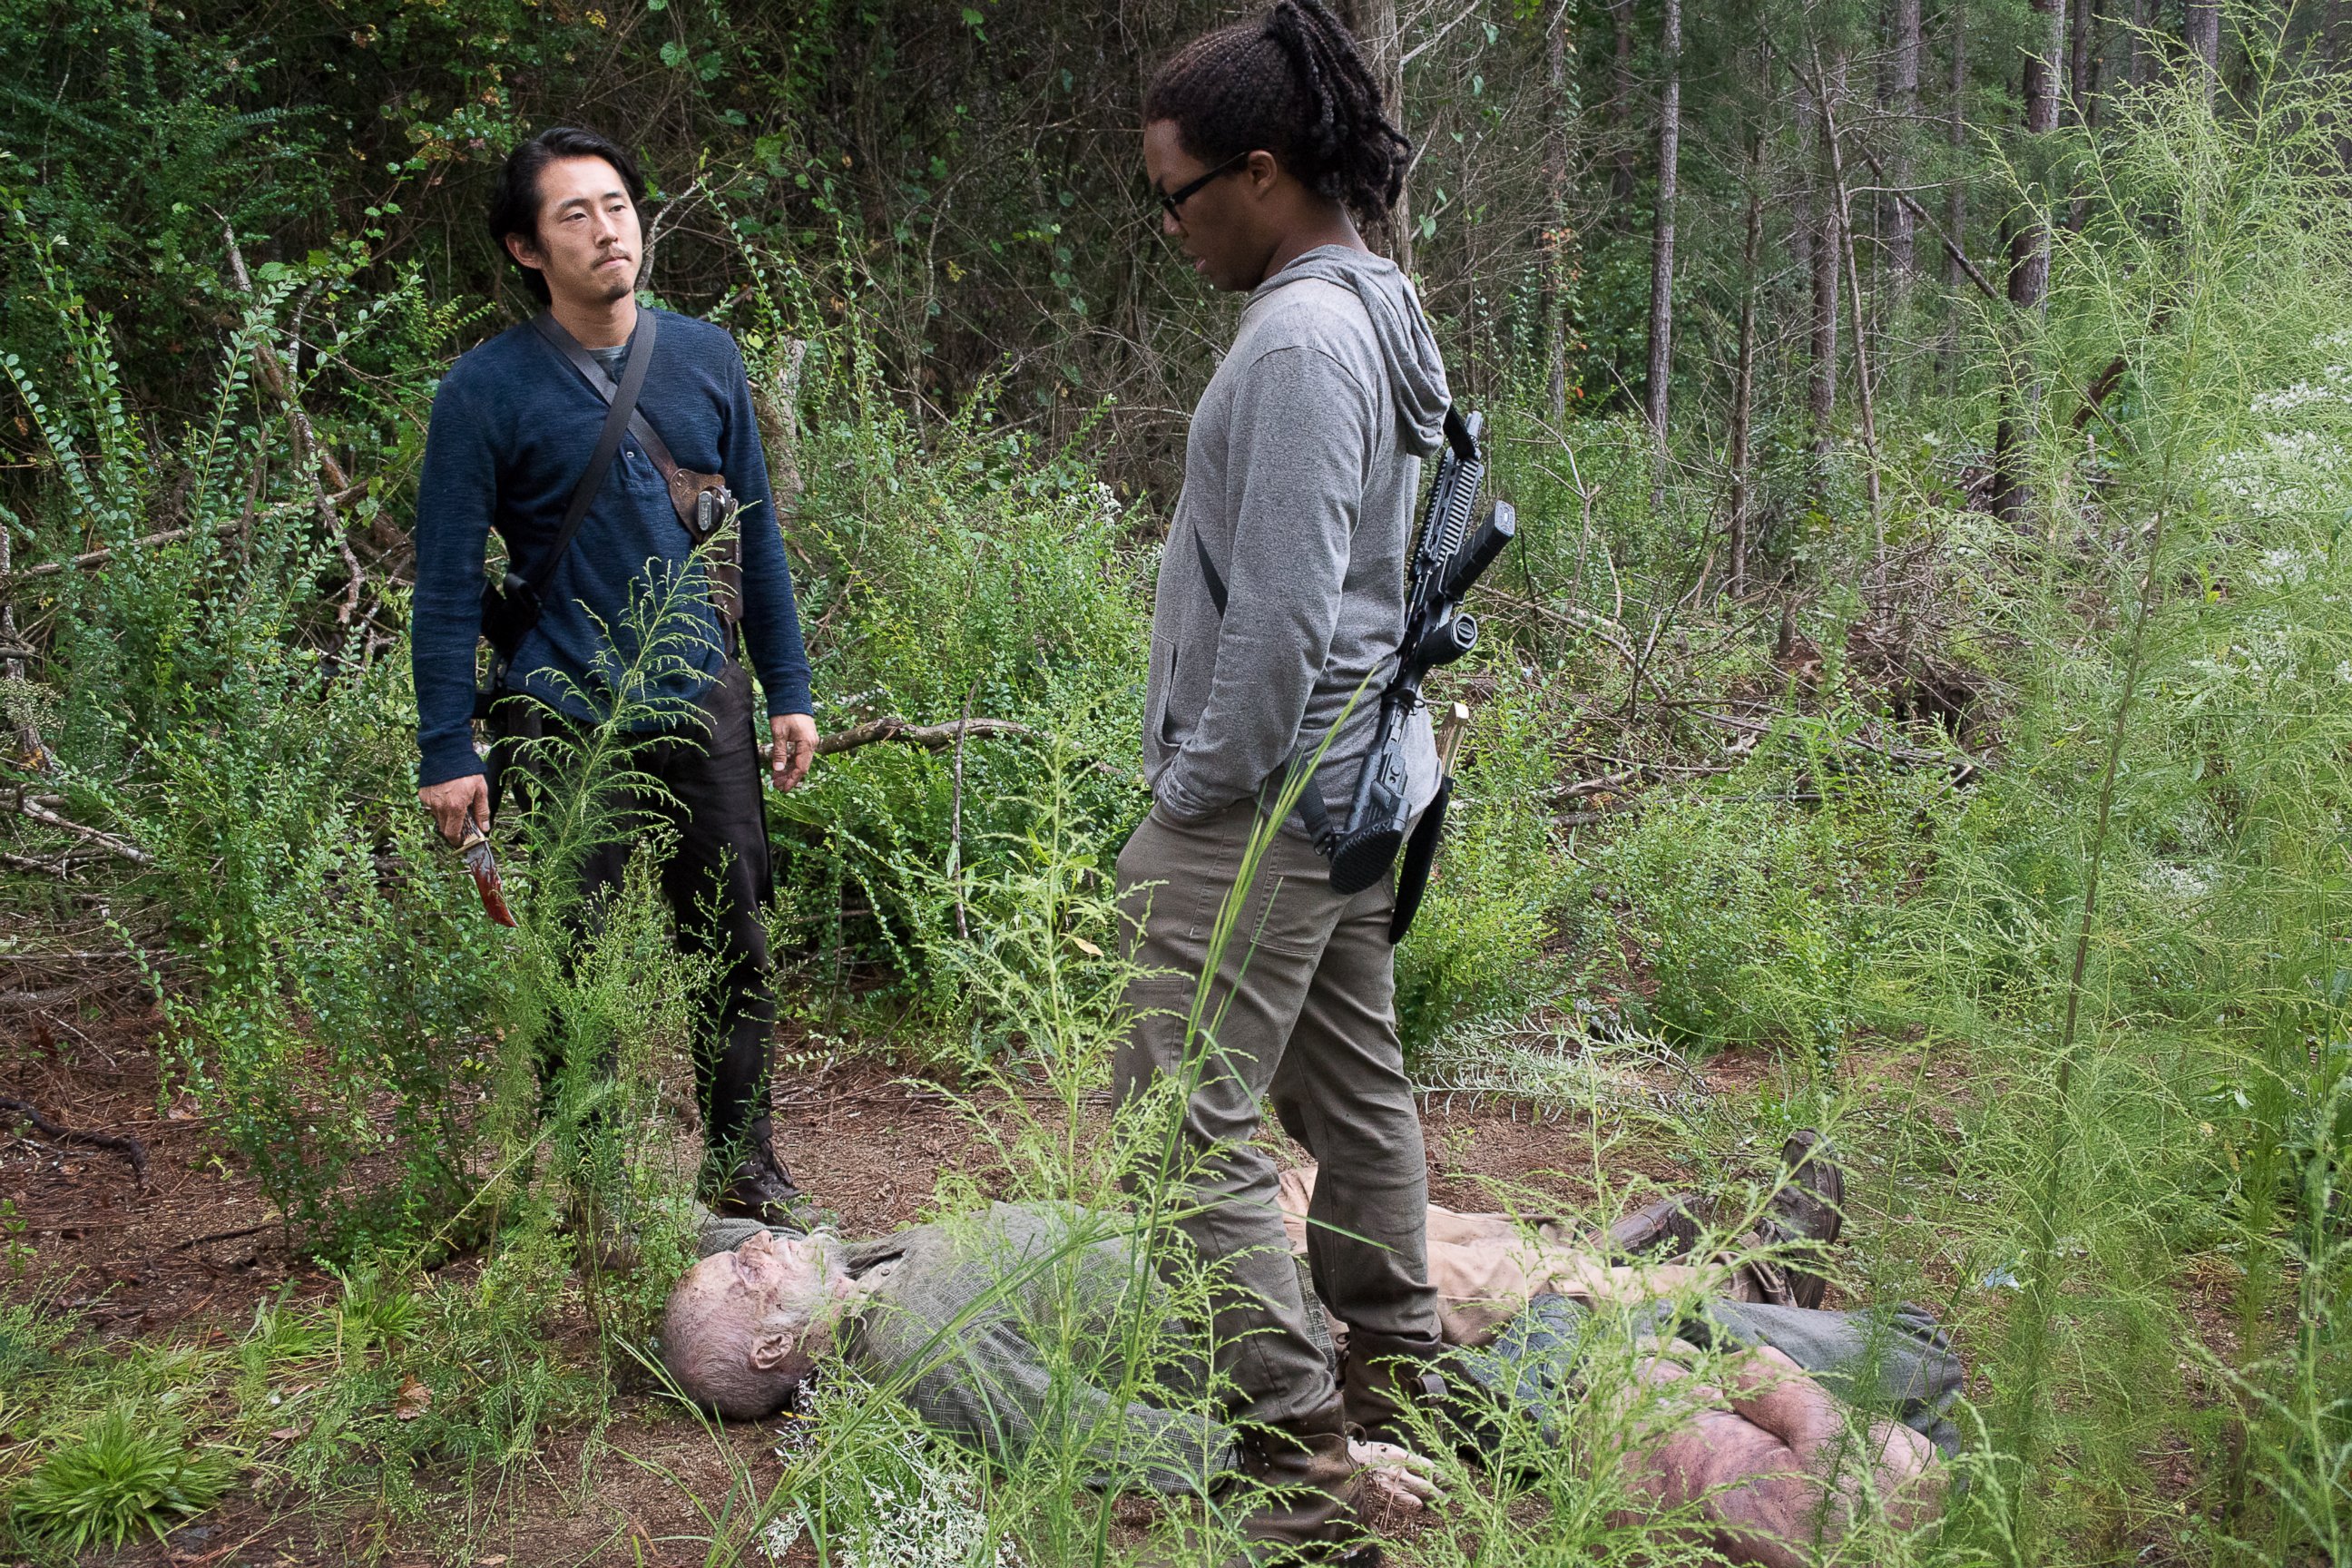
x,y
2012,849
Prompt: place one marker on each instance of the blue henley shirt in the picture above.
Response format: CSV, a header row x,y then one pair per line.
x,y
513,426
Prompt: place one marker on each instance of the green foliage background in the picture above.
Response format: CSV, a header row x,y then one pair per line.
x,y
2012,849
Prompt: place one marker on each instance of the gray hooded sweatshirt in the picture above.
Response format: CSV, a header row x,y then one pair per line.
x,y
1301,476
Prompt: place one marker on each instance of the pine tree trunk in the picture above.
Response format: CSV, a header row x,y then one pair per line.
x,y
2029,242
2081,106
1374,23
1955,187
1832,141
1661,234
2084,22
1902,110
1556,190
1743,385
2201,30
2336,55
1826,247
1621,105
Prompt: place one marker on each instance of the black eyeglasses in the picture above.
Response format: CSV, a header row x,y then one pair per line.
x,y
1170,201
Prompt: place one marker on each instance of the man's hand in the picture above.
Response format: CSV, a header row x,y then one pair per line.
x,y
1393,1476
794,735
453,801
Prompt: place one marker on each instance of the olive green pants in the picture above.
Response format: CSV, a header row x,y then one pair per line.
x,y
1307,985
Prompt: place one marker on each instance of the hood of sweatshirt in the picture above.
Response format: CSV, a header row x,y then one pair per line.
x,y
1416,373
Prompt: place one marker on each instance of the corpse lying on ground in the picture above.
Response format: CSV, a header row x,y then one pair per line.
x,y
955,1316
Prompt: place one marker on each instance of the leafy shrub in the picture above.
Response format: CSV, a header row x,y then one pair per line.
x,y
1482,944
976,575
121,1476
1760,924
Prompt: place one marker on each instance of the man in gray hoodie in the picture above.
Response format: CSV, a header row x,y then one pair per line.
x,y
1280,607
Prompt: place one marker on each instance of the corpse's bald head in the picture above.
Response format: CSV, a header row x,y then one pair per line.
x,y
743,1328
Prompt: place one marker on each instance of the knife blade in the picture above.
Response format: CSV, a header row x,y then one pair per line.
x,y
483,862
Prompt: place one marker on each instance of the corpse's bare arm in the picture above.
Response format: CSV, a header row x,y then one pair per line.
x,y
1767,1461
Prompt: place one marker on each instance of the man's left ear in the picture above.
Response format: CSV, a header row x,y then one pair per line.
x,y
770,1350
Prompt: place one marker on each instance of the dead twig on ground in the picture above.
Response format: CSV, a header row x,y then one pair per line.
x,y
131,1149
932,737
120,848
237,1234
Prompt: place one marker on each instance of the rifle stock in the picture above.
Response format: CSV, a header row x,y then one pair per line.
x,y
1445,566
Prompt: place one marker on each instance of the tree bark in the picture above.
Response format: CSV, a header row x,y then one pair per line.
x,y
1832,141
1826,250
2140,59
1902,110
2201,30
1621,105
1661,235
1374,23
2028,243
1557,193
1743,384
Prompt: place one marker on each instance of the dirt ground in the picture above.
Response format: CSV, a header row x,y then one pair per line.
x,y
191,1259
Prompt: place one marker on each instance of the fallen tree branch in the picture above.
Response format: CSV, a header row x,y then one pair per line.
x,y
131,1149
120,848
930,737
54,996
1964,766
105,554
107,956
1616,780
39,867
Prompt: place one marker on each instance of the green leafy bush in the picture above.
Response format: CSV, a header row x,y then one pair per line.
x,y
1488,938
1759,924
972,573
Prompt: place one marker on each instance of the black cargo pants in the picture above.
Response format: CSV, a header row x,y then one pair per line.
x,y
717,881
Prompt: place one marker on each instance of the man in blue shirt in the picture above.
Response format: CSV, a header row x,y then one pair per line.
x,y
514,426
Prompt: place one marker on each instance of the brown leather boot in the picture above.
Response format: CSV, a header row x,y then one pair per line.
x,y
1665,1228
1303,1495
1382,1376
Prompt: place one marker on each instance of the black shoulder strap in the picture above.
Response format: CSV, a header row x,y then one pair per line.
x,y
620,417
1457,434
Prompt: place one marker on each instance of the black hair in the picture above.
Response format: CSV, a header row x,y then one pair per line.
x,y
514,201
1293,83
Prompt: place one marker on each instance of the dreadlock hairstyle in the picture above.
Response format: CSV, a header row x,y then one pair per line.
x,y
1294,84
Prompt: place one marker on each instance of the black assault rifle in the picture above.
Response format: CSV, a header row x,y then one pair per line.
x,y
1447,560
